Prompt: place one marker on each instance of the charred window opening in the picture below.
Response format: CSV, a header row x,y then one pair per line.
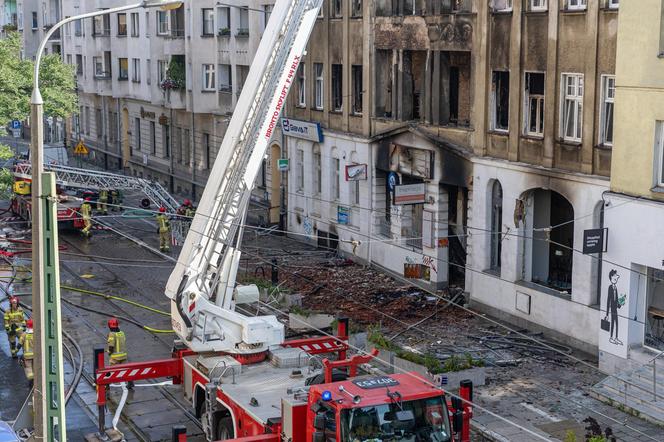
x,y
450,96
414,65
500,88
358,92
384,77
337,88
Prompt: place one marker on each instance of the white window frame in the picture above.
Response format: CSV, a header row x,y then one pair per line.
x,y
99,61
538,5
207,24
576,5
225,81
336,177
166,23
135,24
300,170
659,154
302,85
541,100
613,4
501,5
136,70
319,90
162,70
318,170
209,77
572,95
607,100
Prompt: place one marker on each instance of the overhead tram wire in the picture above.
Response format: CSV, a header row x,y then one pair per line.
x,y
474,313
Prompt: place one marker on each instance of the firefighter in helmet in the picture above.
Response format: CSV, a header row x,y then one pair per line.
x,y
189,209
14,323
164,230
26,342
116,343
102,202
86,214
115,200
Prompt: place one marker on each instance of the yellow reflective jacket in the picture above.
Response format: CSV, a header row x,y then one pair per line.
x,y
14,317
163,223
86,210
103,195
117,346
27,342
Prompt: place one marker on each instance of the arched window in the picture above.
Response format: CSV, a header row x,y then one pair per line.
x,y
496,224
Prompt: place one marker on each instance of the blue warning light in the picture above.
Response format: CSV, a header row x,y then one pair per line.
x,y
327,396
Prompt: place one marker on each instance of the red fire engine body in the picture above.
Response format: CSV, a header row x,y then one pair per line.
x,y
270,401
68,210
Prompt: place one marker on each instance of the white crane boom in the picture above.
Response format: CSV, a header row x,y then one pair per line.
x,y
202,284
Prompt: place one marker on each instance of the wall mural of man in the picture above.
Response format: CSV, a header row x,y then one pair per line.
x,y
613,303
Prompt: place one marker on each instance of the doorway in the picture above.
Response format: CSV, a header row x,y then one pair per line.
x,y
275,187
126,149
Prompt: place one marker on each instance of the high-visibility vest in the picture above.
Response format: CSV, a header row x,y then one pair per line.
x,y
103,195
86,210
27,342
14,317
118,342
190,212
164,223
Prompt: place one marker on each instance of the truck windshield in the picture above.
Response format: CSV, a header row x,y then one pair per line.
x,y
424,420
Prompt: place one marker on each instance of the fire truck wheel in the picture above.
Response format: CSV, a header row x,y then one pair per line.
x,y
224,430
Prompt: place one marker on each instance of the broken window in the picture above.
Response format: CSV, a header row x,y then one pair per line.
x,y
336,8
318,71
501,5
384,71
356,8
302,85
357,89
606,112
572,107
534,104
501,100
337,87
551,248
496,224
412,94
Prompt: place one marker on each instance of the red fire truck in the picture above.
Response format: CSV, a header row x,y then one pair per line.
x,y
68,206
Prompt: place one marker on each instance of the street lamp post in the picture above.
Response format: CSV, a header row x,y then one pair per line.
x,y
48,400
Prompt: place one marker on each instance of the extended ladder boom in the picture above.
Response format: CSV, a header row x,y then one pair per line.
x,y
203,282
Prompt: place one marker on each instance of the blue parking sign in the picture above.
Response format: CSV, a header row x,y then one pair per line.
x,y
16,124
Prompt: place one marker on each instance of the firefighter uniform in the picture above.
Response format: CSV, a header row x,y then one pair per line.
x,y
164,230
115,200
86,213
14,324
27,343
117,347
102,202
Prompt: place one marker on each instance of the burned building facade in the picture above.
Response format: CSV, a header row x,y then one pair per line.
x,y
480,154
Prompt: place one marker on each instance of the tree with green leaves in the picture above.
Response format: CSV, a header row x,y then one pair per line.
x,y
57,83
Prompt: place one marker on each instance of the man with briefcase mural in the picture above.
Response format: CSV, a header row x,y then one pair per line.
x,y
613,303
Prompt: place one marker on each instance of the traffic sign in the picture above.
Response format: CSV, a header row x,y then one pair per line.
x,y
80,149
16,133
16,124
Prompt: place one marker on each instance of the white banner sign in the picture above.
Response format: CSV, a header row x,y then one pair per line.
x,y
410,194
302,129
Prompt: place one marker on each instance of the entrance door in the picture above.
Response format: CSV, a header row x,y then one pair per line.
x,y
654,330
275,188
126,149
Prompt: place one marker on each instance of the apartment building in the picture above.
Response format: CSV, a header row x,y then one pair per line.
x,y
35,18
480,153
632,265
157,88
8,16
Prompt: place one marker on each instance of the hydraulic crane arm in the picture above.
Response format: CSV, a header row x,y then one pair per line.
x,y
202,284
